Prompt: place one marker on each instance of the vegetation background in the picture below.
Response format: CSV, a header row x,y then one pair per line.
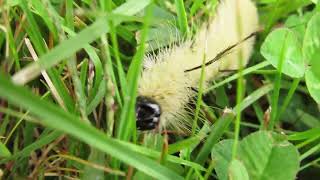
x,y
68,81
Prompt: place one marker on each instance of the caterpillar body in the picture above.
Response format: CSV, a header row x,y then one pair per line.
x,y
166,83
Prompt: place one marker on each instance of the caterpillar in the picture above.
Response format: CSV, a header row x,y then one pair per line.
x,y
168,79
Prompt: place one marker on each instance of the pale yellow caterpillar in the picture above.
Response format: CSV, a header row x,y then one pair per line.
x,y
165,86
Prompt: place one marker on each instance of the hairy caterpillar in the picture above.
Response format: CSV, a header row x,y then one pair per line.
x,y
165,86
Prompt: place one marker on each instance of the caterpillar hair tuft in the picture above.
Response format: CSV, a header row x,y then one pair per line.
x,y
170,76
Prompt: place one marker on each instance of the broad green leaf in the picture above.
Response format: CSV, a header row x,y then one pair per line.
x,y
283,43
311,44
298,24
221,154
267,155
4,152
237,171
270,13
313,84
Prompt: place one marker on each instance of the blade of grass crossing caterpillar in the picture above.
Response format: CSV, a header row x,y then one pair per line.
x,y
127,120
54,117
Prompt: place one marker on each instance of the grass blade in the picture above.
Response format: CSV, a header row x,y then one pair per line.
x,y
217,131
56,118
182,17
127,123
70,46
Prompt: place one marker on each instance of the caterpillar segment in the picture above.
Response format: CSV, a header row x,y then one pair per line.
x,y
166,83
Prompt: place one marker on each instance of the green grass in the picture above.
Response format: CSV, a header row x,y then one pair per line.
x,y
69,73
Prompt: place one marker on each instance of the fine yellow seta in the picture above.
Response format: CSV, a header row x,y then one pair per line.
x,y
167,82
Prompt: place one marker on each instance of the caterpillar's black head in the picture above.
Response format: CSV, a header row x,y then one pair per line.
x,y
147,113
